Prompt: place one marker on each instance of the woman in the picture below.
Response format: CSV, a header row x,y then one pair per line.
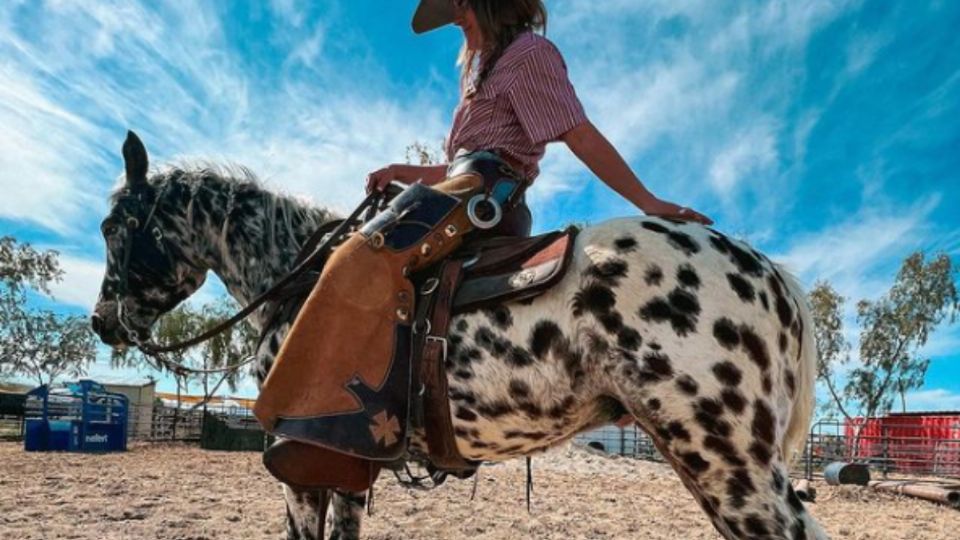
x,y
340,381
516,97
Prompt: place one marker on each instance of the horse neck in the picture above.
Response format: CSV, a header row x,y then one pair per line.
x,y
246,235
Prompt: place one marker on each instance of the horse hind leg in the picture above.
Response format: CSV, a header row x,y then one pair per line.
x,y
304,514
724,451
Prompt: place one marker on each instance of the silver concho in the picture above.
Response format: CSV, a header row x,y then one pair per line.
x,y
522,279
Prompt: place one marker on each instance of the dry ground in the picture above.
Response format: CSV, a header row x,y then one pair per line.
x,y
183,493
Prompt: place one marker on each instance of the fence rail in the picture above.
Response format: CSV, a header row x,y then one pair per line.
x,y
887,450
11,427
155,422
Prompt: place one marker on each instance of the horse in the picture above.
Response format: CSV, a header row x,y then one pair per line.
x,y
702,340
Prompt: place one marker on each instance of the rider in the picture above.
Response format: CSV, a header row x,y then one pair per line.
x,y
345,347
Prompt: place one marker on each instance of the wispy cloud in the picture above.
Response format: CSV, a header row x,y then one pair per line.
x,y
933,399
752,151
851,253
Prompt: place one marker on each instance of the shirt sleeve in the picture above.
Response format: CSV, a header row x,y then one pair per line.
x,y
543,97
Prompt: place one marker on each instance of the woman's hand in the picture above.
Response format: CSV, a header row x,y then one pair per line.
x,y
406,174
666,209
380,178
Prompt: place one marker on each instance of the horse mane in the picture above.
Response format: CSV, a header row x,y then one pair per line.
x,y
239,179
235,181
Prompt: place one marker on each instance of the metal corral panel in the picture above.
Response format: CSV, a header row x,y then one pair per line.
x,y
911,442
142,397
77,417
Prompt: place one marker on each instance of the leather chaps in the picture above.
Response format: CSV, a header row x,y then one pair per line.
x,y
341,381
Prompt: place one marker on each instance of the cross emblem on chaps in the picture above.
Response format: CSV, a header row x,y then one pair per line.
x,y
385,428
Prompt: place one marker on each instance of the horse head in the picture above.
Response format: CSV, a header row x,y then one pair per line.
x,y
148,270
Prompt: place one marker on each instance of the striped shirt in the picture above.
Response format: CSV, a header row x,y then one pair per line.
x,y
525,102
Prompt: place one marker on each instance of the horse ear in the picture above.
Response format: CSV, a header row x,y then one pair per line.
x,y
135,160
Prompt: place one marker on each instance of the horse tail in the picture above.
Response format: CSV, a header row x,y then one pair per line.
x,y
804,403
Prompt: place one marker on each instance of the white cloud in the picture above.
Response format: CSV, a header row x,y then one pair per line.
x,y
292,11
752,151
166,72
38,155
933,399
943,342
81,281
862,50
847,252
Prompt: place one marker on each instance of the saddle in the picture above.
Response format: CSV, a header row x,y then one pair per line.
x,y
486,273
483,272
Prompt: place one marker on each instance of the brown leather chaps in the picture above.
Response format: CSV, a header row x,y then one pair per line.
x,y
342,376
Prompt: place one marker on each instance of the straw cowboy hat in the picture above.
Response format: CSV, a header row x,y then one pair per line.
x,y
432,14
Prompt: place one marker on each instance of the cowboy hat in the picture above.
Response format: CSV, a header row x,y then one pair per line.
x,y
432,14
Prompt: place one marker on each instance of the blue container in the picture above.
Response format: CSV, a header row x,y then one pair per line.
x,y
76,417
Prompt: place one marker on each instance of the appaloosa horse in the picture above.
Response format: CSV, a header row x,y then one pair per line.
x,y
704,341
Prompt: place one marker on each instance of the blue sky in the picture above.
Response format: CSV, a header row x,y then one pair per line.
x,y
824,132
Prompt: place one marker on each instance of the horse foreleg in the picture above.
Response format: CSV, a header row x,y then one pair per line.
x,y
347,514
304,514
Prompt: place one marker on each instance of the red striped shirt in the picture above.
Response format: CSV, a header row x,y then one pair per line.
x,y
526,101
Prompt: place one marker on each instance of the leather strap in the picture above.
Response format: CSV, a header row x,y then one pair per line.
x,y
436,408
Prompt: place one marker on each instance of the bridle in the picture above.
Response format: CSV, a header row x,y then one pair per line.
x,y
316,249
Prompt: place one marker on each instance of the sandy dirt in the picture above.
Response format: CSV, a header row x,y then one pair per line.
x,y
179,492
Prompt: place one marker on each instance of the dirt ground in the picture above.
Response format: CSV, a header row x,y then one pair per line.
x,y
180,492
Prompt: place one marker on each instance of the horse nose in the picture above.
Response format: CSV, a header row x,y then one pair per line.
x,y
96,323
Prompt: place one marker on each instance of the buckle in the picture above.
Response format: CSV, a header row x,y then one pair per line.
x,y
429,286
443,341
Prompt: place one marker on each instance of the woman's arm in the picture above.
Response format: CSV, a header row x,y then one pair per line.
x,y
408,174
596,152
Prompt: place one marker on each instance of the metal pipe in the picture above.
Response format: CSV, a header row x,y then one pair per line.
x,y
939,494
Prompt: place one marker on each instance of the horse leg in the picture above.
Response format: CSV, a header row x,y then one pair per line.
x,y
725,447
303,514
347,515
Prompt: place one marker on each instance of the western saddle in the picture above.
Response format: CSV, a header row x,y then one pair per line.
x,y
484,272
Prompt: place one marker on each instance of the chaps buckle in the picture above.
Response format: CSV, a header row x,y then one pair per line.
x,y
443,343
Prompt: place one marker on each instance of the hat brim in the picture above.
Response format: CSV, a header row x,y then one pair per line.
x,y
432,14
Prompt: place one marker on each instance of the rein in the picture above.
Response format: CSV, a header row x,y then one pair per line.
x,y
320,250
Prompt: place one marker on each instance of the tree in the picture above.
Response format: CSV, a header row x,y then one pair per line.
x,y
40,344
175,326
50,345
420,153
833,350
228,348
893,329
224,350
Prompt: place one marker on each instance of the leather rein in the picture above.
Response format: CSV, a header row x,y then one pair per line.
x,y
317,247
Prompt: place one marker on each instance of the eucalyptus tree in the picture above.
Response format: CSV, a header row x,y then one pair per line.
x,y
39,344
893,332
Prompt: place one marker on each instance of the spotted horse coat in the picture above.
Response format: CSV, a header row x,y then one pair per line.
x,y
702,340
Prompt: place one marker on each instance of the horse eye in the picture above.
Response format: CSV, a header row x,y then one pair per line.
x,y
110,230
